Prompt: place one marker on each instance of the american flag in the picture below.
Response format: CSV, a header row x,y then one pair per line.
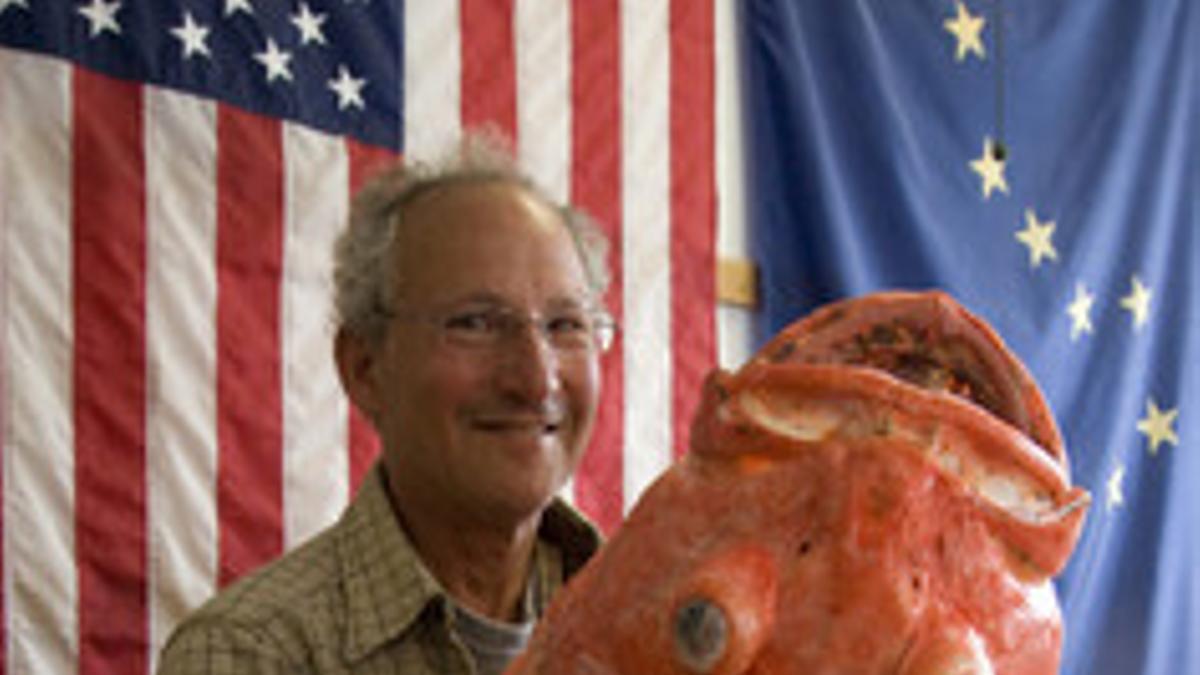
x,y
874,129
172,175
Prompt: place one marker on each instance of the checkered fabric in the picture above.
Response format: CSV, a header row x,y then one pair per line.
x,y
355,599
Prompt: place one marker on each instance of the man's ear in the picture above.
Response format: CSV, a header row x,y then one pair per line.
x,y
356,363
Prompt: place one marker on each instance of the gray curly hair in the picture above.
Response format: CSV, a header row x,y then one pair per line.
x,y
363,252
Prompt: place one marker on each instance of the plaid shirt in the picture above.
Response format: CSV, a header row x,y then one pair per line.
x,y
355,599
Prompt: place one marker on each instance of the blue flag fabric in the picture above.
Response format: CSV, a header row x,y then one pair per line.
x,y
205,48
1037,160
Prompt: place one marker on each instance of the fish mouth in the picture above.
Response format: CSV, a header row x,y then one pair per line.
x,y
1023,492
994,461
931,343
913,373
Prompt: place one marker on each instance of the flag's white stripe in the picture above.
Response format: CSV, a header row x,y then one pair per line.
x,y
432,76
41,582
181,406
543,57
315,454
735,327
645,183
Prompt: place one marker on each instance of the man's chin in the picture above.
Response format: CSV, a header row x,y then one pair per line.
x,y
512,512
530,497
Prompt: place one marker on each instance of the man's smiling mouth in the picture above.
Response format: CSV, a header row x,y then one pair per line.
x,y
519,424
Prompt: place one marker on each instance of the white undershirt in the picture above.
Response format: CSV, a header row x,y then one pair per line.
x,y
493,643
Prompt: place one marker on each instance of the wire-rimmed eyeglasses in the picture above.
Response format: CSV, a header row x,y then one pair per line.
x,y
570,328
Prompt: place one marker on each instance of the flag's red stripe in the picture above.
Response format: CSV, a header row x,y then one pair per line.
x,y
249,377
109,271
365,160
489,79
363,445
693,208
596,187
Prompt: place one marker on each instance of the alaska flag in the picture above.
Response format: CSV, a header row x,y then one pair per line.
x,y
1037,160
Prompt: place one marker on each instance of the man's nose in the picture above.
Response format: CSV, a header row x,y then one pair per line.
x,y
529,365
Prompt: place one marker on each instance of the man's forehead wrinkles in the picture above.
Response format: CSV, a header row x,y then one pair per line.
x,y
416,211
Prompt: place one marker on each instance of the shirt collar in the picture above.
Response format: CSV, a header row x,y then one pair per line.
x,y
387,585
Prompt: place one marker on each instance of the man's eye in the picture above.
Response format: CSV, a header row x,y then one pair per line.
x,y
473,322
567,325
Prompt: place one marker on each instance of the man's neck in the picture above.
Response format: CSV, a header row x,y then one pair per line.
x,y
484,566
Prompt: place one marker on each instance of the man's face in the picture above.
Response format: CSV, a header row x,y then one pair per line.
x,y
485,429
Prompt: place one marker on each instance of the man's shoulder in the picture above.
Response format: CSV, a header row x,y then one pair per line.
x,y
336,597
298,582
270,615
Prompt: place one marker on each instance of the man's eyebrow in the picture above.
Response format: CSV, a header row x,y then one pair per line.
x,y
574,304
478,298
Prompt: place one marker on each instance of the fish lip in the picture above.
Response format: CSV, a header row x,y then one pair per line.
x,y
841,395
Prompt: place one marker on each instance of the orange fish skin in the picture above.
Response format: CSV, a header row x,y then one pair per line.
x,y
834,519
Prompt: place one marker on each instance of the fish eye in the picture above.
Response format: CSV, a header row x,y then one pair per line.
x,y
701,634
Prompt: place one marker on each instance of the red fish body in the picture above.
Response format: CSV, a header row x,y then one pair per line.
x,y
882,489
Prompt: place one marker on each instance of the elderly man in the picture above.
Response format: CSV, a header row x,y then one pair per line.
x,y
470,333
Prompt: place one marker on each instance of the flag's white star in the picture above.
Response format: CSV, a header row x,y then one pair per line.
x,y
102,16
5,4
192,35
275,61
1116,495
966,29
1037,237
348,89
1080,311
991,169
1156,426
232,6
1138,302
309,25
